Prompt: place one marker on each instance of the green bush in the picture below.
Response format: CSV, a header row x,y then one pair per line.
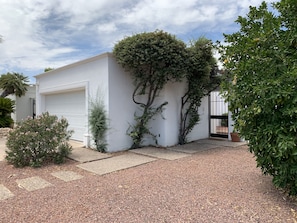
x,y
261,86
6,108
98,123
37,141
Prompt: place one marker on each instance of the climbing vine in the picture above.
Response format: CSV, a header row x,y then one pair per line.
x,y
201,79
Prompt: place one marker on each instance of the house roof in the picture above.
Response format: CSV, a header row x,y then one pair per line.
x,y
88,60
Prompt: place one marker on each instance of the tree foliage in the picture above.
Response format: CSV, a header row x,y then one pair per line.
x,y
13,83
47,69
6,108
261,59
153,58
201,79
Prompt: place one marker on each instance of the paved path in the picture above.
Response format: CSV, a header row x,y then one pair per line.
x,y
98,163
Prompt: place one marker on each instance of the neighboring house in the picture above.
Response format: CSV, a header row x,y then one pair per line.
x,y
25,105
67,92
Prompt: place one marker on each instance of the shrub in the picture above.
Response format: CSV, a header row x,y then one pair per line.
x,y
6,108
98,123
36,141
261,61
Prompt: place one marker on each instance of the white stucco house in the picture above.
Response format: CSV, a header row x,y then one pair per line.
x,y
67,92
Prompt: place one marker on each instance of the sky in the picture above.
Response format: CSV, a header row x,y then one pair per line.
x,y
37,34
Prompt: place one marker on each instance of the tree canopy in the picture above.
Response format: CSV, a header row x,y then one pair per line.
x,y
13,83
261,60
153,59
201,79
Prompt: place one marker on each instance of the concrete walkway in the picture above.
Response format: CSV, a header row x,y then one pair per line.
x,y
103,163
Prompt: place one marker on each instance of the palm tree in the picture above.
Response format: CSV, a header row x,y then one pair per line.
x,y
13,83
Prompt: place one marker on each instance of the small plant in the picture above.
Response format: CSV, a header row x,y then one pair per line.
x,y
6,108
36,141
98,123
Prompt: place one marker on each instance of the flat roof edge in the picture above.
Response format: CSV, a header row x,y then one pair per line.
x,y
84,61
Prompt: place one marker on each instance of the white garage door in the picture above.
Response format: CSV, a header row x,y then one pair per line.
x,y
70,105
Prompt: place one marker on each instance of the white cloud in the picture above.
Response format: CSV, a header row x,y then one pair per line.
x,y
39,33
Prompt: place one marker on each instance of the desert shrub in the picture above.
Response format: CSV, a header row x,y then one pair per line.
x,y
37,141
98,123
6,108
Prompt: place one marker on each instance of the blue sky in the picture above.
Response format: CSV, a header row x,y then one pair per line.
x,y
52,33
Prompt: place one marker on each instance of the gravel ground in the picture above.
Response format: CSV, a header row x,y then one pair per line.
x,y
218,185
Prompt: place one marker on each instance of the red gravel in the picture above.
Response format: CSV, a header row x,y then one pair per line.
x,y
218,185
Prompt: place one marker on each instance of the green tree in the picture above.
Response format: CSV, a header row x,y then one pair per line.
x,y
48,69
13,83
261,89
201,79
153,59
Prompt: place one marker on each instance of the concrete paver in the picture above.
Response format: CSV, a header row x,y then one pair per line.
x,y
222,142
192,148
5,193
160,153
115,163
83,155
33,183
67,175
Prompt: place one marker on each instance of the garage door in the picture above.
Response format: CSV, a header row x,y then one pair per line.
x,y
70,105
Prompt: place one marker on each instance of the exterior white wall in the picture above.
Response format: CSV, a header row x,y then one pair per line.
x,y
173,93
24,105
201,131
102,75
157,124
90,75
121,107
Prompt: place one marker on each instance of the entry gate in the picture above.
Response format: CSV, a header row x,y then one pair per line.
x,y
218,116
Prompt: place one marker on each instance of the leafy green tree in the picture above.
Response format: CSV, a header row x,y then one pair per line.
x,y
153,58
13,83
261,89
201,79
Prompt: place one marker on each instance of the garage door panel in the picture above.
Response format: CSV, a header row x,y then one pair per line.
x,y
70,105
